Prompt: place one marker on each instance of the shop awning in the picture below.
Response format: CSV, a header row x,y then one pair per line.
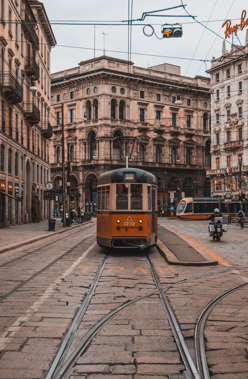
x,y
6,194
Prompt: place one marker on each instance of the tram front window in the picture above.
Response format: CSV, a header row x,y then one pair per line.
x,y
136,196
181,206
122,196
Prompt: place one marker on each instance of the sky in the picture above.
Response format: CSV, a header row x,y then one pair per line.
x,y
197,42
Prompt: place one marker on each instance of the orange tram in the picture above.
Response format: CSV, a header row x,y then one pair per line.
x,y
202,208
127,209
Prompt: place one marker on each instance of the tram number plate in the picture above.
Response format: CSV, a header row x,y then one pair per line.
x,y
129,223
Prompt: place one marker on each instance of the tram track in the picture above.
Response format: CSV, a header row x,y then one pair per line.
x,y
42,247
200,352
24,282
62,368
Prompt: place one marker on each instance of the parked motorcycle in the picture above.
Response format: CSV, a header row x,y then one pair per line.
x,y
216,228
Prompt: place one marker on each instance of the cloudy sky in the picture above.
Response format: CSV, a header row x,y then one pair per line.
x,y
197,42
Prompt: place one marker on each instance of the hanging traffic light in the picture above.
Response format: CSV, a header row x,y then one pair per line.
x,y
172,31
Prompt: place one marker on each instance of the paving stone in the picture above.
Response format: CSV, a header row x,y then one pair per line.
x,y
20,374
95,376
106,354
121,369
158,369
104,369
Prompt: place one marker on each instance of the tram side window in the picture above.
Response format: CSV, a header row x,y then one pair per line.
x,y
205,207
189,208
103,199
107,197
99,198
149,195
122,196
136,196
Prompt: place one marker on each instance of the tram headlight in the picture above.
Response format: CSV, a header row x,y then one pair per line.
x,y
118,221
140,221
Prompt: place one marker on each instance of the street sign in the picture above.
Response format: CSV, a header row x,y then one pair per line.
x,y
228,195
244,185
172,209
49,195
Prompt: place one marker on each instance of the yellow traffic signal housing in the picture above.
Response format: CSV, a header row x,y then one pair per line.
x,y
172,31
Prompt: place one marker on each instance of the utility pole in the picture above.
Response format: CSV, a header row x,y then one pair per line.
x,y
63,165
68,181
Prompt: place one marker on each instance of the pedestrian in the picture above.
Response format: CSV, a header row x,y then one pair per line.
x,y
162,213
82,214
241,217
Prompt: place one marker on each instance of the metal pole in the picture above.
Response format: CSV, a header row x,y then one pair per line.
x,y
220,206
94,41
127,161
68,180
63,165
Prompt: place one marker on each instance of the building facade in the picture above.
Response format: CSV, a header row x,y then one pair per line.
x,y
26,39
112,108
229,133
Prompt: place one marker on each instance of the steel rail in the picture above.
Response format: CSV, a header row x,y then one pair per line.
x,y
59,359
201,360
20,285
82,347
183,350
42,247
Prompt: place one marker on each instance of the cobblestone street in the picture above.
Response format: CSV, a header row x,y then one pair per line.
x,y
111,302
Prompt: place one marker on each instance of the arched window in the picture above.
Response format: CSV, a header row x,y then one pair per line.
x,y
116,145
72,158
188,156
92,150
58,155
2,158
142,153
173,155
188,184
122,110
113,108
173,183
207,154
205,121
88,110
158,154
95,109
16,164
10,162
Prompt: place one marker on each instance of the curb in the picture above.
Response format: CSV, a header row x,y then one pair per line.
x,y
172,259
27,242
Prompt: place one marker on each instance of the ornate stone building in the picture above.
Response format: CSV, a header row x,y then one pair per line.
x,y
229,134
26,38
112,108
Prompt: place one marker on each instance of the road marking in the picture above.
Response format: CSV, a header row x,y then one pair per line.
x,y
141,269
239,235
116,269
85,268
204,248
161,269
16,326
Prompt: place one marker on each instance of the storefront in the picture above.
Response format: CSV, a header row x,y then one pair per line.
x,y
3,194
2,202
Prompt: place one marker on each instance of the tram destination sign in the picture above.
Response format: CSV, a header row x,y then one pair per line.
x,y
49,195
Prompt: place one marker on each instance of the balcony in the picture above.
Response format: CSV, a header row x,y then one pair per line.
x,y
11,87
47,130
32,68
32,113
174,130
28,26
233,145
189,132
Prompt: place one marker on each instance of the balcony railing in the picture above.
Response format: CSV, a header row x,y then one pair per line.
x,y
32,113
27,24
32,68
11,87
47,130
233,144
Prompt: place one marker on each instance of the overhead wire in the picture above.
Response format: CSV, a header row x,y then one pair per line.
x,y
201,38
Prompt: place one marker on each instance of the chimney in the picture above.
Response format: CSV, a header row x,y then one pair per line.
x,y
224,48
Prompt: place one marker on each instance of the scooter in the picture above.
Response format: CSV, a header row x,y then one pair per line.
x,y
216,228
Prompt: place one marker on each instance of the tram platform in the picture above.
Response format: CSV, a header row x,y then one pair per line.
x,y
179,251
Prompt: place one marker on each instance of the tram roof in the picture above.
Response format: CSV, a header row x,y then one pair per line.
x,y
117,176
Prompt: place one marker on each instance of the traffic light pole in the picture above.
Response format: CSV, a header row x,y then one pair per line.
x,y
63,165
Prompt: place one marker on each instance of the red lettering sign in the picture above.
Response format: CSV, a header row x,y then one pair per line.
x,y
233,29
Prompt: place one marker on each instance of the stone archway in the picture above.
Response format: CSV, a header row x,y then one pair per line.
x,y
90,192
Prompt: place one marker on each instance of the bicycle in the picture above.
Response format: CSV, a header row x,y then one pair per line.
x,y
235,221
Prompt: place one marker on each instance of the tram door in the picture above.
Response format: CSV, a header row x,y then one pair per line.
x,y
153,213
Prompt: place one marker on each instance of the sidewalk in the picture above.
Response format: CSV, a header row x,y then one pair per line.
x,y
20,235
